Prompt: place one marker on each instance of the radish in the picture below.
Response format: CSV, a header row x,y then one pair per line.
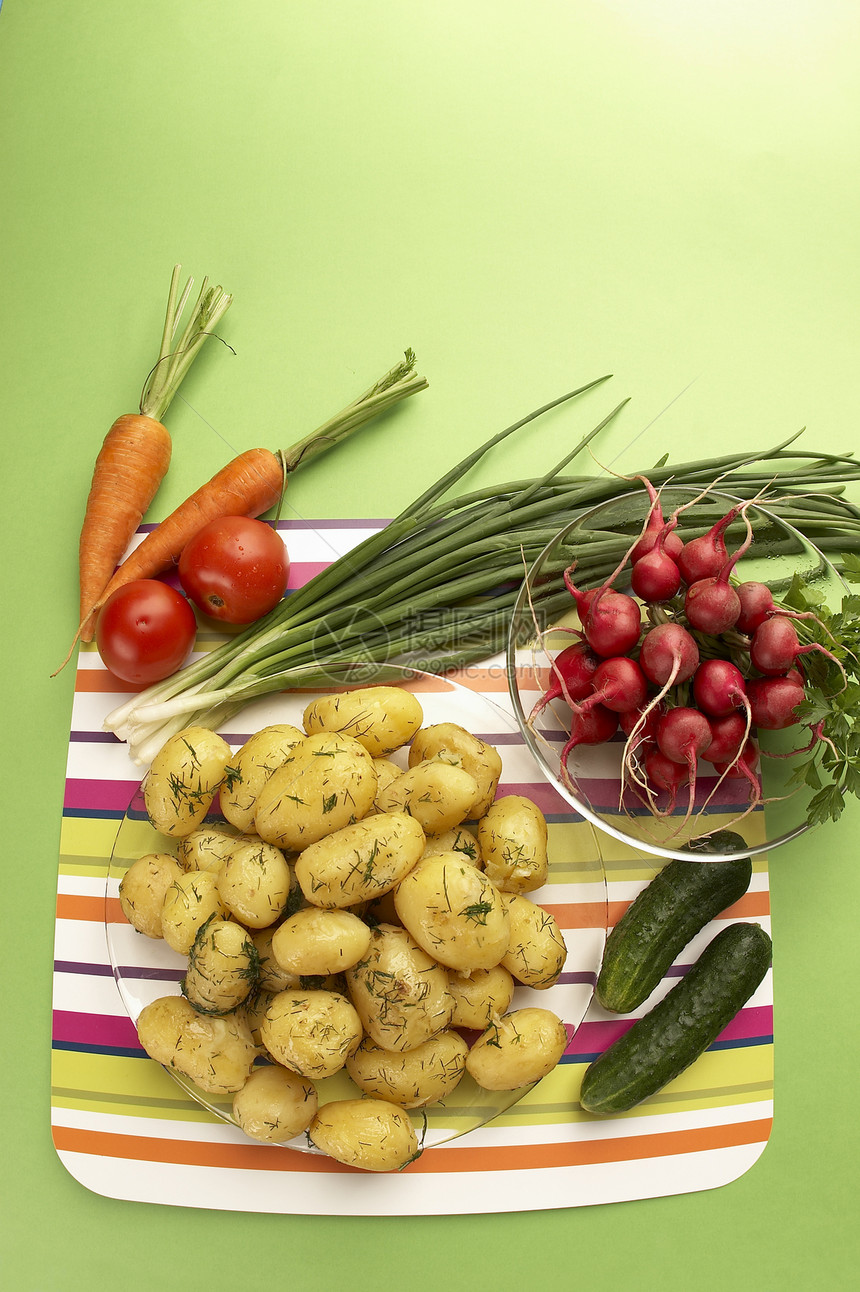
x,y
775,647
744,765
712,605
666,775
773,701
611,621
656,529
718,687
572,672
683,734
757,605
728,734
592,728
619,684
668,655
703,558
655,577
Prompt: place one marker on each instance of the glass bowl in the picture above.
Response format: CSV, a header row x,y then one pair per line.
x,y
145,969
542,621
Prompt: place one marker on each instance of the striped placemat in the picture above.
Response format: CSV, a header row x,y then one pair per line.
x,y
125,1129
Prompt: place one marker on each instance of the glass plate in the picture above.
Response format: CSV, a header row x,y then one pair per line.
x,y
146,969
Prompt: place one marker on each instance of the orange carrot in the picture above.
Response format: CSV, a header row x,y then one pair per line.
x,y
136,451
253,482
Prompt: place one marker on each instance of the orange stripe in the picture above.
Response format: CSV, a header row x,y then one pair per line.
x,y
92,680
530,1157
70,907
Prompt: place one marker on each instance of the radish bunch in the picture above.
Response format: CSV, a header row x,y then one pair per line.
x,y
685,660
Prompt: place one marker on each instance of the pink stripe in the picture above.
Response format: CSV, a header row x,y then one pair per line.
x,y
594,1038
100,796
94,1029
301,572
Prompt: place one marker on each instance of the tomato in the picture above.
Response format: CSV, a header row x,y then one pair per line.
x,y
145,631
235,569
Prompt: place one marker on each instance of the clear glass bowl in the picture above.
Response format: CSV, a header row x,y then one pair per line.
x,y
146,969
596,542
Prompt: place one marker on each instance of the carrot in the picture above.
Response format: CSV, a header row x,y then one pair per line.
x,y
136,451
253,482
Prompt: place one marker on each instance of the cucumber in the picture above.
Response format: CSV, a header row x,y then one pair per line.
x,y
658,924
680,1027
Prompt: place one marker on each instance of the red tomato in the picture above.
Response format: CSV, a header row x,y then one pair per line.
x,y
145,631
235,569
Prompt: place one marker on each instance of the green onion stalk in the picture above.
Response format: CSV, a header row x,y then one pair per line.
x,y
436,586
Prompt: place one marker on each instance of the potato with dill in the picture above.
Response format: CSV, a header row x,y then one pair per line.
x,y
410,1078
449,742
513,837
460,840
206,847
382,718
275,1105
361,861
311,1032
315,942
371,1134
251,767
517,1050
399,991
537,950
327,781
437,794
183,780
480,996
189,902
254,882
454,912
222,967
217,1053
142,890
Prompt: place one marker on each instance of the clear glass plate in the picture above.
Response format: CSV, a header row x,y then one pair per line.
x,y
146,969
592,541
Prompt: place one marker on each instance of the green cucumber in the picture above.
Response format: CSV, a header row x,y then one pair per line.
x,y
680,1027
658,924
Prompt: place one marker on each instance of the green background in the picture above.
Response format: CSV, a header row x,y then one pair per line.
x,y
529,195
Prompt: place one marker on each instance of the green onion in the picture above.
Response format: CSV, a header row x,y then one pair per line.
x,y
435,587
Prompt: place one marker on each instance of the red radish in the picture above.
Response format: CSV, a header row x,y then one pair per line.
x,y
718,687
665,774
668,655
775,647
655,529
704,557
592,728
712,605
611,621
683,734
655,577
744,766
619,684
642,721
756,605
572,673
773,701
727,737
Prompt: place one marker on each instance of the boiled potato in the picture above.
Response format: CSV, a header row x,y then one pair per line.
x,y
222,967
326,782
189,902
400,992
437,794
275,1105
386,771
412,1078
254,882
513,839
251,768
360,861
537,950
142,890
272,977
481,996
205,848
452,743
311,1032
318,942
517,1050
454,912
216,1053
382,718
372,1134
458,840
184,777
253,1011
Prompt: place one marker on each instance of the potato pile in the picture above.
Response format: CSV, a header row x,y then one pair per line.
x,y
354,914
